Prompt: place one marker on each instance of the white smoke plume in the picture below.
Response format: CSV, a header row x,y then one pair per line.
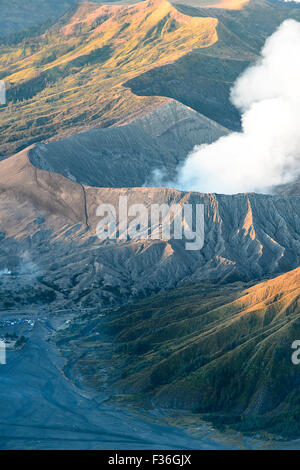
x,y
2,92
267,150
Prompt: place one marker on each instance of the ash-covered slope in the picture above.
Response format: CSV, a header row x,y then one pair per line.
x,y
126,155
203,78
53,220
289,189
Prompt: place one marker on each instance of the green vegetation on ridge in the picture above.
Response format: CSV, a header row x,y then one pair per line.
x,y
202,79
222,351
18,15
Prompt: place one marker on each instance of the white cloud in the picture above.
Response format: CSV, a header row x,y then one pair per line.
x,y
267,151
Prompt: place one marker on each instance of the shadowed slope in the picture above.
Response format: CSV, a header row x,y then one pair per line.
x,y
210,73
103,64
247,236
126,155
217,349
230,4
18,15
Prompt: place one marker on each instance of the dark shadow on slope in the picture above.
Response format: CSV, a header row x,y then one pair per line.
x,y
203,78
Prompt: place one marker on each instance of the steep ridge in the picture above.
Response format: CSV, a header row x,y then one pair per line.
x,y
126,155
54,219
223,4
74,72
221,351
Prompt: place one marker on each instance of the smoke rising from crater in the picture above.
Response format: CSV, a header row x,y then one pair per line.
x,y
267,150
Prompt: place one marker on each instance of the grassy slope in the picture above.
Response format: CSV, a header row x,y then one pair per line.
x,y
222,350
73,74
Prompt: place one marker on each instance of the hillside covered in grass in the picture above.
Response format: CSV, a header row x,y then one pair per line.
x,y
223,352
202,79
19,15
72,75
105,64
